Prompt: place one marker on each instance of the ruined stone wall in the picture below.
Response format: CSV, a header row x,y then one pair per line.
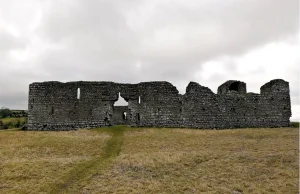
x,y
159,105
57,106
200,107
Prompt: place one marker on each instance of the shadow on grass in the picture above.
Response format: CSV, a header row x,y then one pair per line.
x,y
89,168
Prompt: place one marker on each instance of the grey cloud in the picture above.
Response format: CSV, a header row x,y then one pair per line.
x,y
14,100
85,19
96,35
9,42
236,26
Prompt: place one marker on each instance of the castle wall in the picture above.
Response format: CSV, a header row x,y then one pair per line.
x,y
199,107
159,105
56,106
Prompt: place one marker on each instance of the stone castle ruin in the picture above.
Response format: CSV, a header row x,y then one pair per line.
x,y
73,105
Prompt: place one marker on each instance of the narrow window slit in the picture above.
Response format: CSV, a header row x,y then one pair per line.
x,y
78,93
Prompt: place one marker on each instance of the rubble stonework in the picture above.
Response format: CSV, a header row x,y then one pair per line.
x,y
73,105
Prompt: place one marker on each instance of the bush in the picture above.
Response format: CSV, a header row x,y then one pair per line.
x,y
1,125
5,112
295,124
6,126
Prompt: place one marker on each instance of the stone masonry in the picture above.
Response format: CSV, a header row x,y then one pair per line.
x,y
72,105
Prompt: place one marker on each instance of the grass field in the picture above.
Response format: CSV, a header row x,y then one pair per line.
x,y
150,160
12,122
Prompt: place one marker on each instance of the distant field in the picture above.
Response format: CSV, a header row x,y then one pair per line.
x,y
150,160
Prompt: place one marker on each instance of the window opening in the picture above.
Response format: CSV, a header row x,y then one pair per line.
x,y
78,93
124,115
234,86
120,101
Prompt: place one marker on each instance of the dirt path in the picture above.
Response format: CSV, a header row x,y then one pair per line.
x,y
87,169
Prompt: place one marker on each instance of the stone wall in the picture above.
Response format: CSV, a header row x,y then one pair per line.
x,y
18,113
73,105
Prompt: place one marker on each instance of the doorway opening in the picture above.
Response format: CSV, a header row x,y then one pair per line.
x,y
124,115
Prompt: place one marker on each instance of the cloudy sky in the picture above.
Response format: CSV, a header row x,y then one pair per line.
x,y
207,41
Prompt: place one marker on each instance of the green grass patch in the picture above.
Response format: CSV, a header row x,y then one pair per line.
x,y
11,122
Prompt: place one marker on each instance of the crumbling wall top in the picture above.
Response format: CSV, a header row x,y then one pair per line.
x,y
232,85
275,86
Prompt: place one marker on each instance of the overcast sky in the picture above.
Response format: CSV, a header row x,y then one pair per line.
x,y
207,41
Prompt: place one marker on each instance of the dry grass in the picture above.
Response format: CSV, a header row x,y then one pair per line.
x,y
34,162
142,160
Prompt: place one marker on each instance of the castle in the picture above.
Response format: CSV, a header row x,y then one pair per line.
x,y
72,105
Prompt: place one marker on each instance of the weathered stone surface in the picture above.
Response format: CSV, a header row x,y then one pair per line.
x,y
56,106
